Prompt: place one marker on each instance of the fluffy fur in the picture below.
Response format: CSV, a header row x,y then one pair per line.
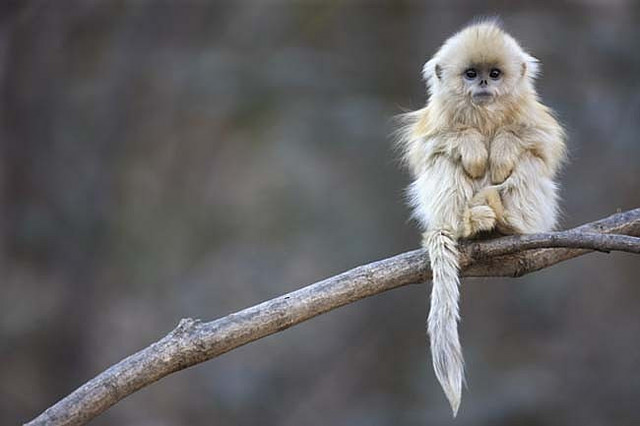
x,y
484,153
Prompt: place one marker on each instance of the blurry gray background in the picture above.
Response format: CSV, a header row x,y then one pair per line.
x,y
164,159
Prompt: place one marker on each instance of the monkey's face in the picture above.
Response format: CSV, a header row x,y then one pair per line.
x,y
481,66
478,81
482,83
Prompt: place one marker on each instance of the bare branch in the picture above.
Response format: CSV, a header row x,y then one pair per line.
x,y
193,342
583,240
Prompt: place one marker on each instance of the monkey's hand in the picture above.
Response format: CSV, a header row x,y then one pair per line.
x,y
473,153
505,151
483,212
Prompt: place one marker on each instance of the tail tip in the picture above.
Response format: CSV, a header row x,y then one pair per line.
x,y
454,408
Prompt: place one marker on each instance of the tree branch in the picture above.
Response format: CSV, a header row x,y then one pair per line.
x,y
193,342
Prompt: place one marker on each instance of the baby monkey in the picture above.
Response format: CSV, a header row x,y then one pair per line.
x,y
484,154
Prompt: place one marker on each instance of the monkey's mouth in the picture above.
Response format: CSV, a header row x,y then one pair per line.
x,y
482,97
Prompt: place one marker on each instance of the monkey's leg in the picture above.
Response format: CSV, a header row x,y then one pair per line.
x,y
441,198
529,197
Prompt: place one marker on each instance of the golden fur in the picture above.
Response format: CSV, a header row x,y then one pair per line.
x,y
484,153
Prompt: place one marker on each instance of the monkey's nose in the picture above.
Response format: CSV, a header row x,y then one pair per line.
x,y
483,83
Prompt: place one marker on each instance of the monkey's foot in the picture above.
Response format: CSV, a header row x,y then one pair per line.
x,y
513,224
476,219
489,196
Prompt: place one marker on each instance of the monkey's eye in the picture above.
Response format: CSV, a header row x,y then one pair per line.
x,y
495,73
470,73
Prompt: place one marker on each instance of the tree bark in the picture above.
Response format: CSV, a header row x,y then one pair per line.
x,y
193,341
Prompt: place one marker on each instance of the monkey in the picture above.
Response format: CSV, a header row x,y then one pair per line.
x,y
484,154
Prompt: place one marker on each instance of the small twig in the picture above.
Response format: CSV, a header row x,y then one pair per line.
x,y
193,342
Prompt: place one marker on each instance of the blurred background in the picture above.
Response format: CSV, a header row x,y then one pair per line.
x,y
169,159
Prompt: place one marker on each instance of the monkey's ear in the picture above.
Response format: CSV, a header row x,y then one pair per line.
x,y
530,67
438,71
429,72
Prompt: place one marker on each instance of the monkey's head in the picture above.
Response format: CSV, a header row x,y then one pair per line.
x,y
481,65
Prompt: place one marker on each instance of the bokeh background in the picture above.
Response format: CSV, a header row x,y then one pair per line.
x,y
169,159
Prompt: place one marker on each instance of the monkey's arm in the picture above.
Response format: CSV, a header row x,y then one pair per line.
x,y
544,140
529,197
506,149
421,139
466,146
523,163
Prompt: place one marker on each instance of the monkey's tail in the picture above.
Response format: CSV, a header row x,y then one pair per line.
x,y
442,324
